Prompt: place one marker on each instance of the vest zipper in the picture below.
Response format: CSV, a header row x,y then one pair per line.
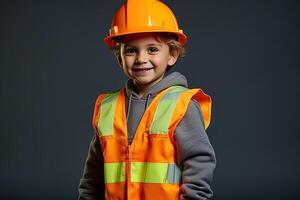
x,y
128,174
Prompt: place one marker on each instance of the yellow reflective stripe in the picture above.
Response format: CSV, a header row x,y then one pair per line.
x,y
151,172
165,110
114,172
107,112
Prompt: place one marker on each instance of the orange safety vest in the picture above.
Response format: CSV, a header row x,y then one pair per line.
x,y
147,169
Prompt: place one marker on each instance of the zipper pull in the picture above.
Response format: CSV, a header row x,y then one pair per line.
x,y
127,151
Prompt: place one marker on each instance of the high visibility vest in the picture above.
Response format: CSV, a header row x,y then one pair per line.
x,y
147,169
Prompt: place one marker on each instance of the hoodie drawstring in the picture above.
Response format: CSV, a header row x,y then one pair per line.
x,y
129,104
147,101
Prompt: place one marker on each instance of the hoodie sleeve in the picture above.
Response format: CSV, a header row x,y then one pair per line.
x,y
91,185
195,155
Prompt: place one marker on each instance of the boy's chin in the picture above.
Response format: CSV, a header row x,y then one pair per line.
x,y
141,83
145,82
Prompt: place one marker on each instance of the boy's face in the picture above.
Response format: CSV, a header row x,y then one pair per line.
x,y
144,59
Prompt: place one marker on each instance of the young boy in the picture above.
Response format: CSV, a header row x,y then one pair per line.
x,y
150,140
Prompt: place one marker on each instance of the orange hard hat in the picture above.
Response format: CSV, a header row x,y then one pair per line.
x,y
139,16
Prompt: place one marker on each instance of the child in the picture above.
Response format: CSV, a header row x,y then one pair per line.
x,y
150,140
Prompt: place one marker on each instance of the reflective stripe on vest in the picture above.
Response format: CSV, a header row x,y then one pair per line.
x,y
165,110
114,172
143,172
155,172
107,111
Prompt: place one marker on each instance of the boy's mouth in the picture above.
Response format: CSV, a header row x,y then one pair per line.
x,y
141,69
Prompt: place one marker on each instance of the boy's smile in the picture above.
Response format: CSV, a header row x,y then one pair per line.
x,y
144,59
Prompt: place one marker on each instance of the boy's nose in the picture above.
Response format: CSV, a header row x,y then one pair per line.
x,y
141,58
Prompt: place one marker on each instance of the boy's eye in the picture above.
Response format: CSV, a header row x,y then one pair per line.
x,y
130,51
152,49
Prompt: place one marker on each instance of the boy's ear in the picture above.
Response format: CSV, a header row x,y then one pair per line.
x,y
174,54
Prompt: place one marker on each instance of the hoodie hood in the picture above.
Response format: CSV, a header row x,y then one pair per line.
x,y
136,105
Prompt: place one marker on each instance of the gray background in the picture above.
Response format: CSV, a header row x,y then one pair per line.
x,y
245,54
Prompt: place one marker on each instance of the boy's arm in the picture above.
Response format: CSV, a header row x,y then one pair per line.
x,y
195,155
91,186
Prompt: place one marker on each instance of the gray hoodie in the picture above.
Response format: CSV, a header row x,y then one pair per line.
x,y
196,156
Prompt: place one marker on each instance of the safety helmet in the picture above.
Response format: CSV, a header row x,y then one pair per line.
x,y
139,16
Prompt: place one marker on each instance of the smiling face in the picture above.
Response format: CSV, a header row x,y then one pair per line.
x,y
144,59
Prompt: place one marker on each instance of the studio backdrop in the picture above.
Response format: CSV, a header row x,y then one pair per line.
x,y
53,65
